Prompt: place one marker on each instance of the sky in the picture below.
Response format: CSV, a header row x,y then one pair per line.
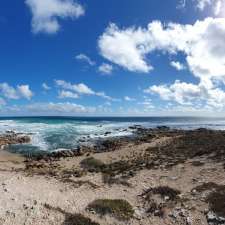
x,y
112,58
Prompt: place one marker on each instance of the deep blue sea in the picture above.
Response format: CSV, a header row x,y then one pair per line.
x,y
54,133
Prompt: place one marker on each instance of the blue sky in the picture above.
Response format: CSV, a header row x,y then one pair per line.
x,y
130,57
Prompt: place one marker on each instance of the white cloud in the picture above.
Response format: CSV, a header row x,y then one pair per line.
x,y
216,6
85,58
105,68
177,65
181,4
202,4
82,89
129,99
59,108
180,92
24,91
147,104
201,43
21,91
47,13
108,103
125,47
219,7
103,95
190,94
8,91
67,94
79,88
2,102
46,87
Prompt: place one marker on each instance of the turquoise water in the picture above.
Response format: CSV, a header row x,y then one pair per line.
x,y
54,133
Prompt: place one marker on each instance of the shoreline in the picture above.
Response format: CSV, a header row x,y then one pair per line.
x,y
161,176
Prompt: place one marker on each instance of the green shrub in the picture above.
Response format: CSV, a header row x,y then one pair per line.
x,y
216,200
78,219
121,209
71,219
92,164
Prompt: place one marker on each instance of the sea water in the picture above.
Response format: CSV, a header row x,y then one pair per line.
x,y
54,133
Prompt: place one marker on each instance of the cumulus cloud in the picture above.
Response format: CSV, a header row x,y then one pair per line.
x,y
129,99
21,91
190,94
8,91
46,87
177,65
105,68
79,88
67,94
202,44
180,92
126,47
200,4
181,4
216,6
85,58
47,13
24,91
82,89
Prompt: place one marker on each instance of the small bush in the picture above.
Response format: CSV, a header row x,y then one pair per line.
x,y
197,163
121,209
78,219
154,208
110,180
71,219
92,164
216,201
164,191
215,198
210,186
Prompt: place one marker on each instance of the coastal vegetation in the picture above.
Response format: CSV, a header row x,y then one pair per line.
x,y
118,208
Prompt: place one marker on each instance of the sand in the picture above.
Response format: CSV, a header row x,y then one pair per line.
x,y
25,194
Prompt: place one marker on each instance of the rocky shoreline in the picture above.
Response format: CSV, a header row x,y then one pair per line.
x,y
157,176
13,138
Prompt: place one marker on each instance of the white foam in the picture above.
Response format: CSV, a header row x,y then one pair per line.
x,y
71,132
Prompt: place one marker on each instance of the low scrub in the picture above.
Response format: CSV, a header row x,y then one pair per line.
x,y
121,209
163,191
92,165
78,219
110,180
216,202
71,219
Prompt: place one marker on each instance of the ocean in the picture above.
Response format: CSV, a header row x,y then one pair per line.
x,y
54,133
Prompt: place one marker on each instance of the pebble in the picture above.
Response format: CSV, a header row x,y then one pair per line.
x,y
173,178
212,218
166,198
189,220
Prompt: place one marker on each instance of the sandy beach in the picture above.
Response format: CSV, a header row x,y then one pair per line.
x,y
160,177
